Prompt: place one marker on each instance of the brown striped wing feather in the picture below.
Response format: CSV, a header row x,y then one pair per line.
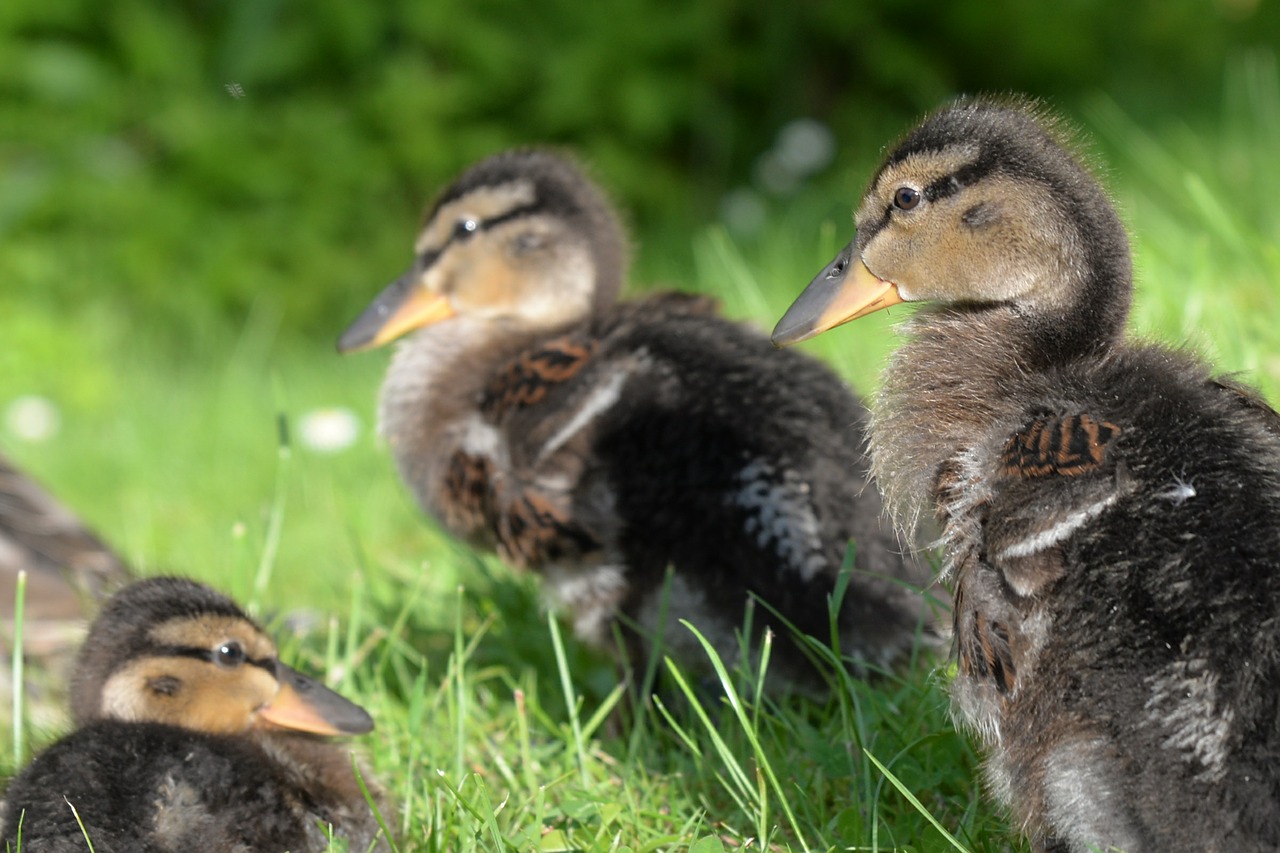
x,y
1066,446
528,379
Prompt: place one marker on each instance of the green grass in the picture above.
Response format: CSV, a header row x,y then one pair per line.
x,y
493,725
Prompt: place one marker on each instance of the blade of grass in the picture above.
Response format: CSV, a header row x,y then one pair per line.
x,y
762,760
732,787
911,798
596,720
373,805
80,824
275,522
655,656
459,684
484,814
570,700
741,780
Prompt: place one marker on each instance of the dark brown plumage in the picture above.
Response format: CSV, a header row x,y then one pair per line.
x,y
599,442
69,569
1110,510
192,736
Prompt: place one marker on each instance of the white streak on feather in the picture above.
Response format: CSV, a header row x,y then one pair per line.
x,y
477,438
1184,704
1059,532
1179,493
597,402
781,515
1085,800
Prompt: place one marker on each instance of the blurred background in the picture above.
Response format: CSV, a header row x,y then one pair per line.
x,y
196,197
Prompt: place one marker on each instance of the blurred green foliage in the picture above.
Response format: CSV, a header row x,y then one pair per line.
x,y
201,161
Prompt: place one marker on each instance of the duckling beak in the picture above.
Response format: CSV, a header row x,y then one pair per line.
x,y
403,306
305,705
845,290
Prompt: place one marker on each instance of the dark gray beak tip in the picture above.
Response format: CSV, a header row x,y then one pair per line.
x,y
339,711
790,331
803,319
363,331
354,339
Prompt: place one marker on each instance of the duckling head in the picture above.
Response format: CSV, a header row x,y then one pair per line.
x,y
981,205
521,240
169,650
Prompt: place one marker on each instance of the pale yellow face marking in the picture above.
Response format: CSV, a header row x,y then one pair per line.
x,y
191,692
209,632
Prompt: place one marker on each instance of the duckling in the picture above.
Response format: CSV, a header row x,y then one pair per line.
x,y
1110,510
192,736
68,567
599,443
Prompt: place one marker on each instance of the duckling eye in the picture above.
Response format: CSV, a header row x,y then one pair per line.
x,y
464,229
230,654
905,198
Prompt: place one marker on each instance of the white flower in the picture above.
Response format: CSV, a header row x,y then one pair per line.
x,y
33,418
328,430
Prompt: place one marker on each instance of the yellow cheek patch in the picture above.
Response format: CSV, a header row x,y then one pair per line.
x,y
188,692
489,285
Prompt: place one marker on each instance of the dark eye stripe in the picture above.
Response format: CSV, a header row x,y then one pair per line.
x,y
866,232
942,188
208,655
428,258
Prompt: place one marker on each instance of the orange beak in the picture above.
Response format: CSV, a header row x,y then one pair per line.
x,y
845,290
305,705
403,306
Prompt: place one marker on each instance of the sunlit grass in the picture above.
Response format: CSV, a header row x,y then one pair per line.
x,y
493,729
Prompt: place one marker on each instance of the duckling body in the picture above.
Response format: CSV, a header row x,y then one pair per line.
x,y
1110,510
599,443
192,736
155,788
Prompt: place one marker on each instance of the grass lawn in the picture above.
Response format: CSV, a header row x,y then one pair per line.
x,y
492,730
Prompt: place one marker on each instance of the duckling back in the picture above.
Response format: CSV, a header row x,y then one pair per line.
x,y
1115,618
771,493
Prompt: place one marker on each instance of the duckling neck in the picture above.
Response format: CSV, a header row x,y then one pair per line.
x,y
959,375
1090,322
429,407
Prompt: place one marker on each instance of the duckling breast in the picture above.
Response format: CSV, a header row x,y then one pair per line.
x,y
162,789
